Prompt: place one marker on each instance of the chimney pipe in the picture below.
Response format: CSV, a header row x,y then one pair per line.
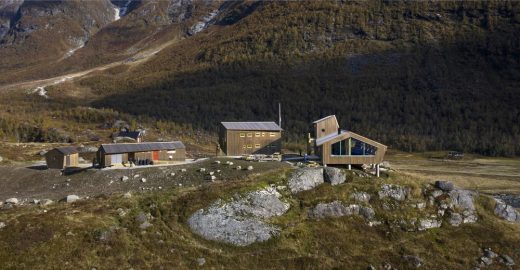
x,y
280,114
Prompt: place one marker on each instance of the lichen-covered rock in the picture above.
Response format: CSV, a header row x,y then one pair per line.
x,y
333,209
462,199
361,197
395,192
305,179
506,212
241,221
338,209
334,176
455,219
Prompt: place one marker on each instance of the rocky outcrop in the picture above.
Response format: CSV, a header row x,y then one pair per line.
x,y
428,223
506,211
509,199
338,209
305,179
240,222
395,192
444,185
462,200
334,176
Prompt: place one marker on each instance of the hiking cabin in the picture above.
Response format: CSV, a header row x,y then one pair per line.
x,y
335,146
136,136
245,138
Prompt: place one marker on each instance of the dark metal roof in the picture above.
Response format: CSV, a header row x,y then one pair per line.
x,y
68,150
116,148
269,126
130,134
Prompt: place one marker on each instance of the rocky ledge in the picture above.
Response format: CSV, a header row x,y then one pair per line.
x,y
241,221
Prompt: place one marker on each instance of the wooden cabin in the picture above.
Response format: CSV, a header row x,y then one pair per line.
x,y
341,147
243,138
148,153
62,157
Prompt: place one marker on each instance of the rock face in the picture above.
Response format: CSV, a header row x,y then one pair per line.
x,y
395,192
506,211
455,219
444,185
241,221
513,200
334,176
338,209
463,200
305,179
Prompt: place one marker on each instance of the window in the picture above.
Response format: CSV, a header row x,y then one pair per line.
x,y
257,134
242,134
244,146
273,145
249,146
263,134
250,134
353,148
272,134
257,145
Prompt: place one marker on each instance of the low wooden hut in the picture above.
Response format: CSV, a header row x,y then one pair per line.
x,y
141,153
62,157
335,146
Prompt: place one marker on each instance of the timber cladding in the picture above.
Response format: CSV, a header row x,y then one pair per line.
x,y
62,157
243,138
141,153
335,146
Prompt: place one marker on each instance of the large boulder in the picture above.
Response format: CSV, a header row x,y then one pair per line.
x,y
506,211
462,199
334,176
429,223
305,179
12,201
71,198
395,192
241,221
444,185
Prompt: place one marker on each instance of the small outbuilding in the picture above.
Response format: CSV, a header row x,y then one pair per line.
x,y
136,136
121,154
62,157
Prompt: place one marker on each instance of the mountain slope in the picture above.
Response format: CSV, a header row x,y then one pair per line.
x,y
414,75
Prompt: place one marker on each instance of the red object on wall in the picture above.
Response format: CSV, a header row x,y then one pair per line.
x,y
155,155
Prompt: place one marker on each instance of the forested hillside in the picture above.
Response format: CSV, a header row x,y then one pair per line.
x,y
415,75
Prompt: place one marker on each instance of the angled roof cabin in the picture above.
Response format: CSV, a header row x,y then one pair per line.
x,y
341,147
119,154
243,138
62,157
137,136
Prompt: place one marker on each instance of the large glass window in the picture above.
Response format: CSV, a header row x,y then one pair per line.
x,y
352,147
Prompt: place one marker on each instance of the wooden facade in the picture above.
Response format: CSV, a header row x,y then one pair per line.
x,y
141,153
62,158
245,138
341,147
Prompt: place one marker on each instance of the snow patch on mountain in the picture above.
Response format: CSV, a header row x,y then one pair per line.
x,y
117,16
205,23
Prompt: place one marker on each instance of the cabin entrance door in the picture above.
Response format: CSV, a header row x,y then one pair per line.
x,y
155,155
67,161
117,159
